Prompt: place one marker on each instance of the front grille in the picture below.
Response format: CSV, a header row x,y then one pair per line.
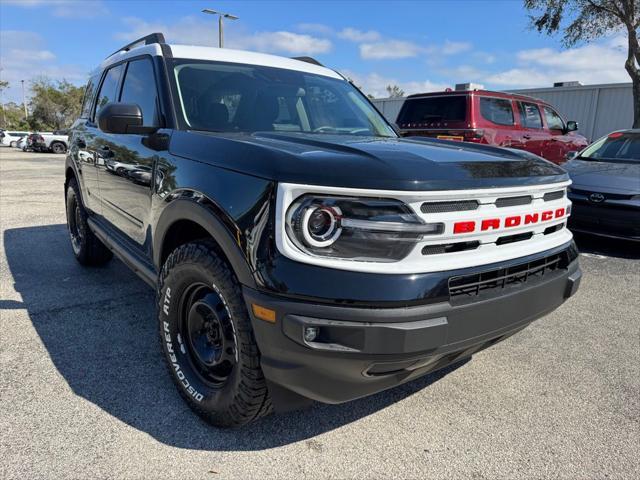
x,y
607,196
443,207
553,229
513,201
549,196
493,281
449,247
519,237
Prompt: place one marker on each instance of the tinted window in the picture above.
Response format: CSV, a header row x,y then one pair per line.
x,y
249,98
530,115
434,110
89,94
554,122
139,87
496,110
615,147
109,89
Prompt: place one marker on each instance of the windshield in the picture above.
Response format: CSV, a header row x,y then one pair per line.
x,y
227,97
615,147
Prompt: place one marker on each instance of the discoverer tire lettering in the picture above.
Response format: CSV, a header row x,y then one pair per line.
x,y
238,397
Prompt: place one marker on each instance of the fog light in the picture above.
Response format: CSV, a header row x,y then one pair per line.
x,y
311,333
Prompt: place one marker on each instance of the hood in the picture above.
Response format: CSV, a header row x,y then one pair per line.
x,y
611,177
365,162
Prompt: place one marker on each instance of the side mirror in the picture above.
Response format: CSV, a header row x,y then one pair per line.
x,y
572,126
570,156
122,118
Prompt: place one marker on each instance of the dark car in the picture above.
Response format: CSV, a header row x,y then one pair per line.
x,y
301,250
606,187
36,142
492,118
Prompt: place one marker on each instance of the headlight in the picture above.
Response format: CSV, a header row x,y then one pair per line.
x,y
372,229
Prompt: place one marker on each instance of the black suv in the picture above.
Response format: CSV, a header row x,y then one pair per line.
x,y
301,250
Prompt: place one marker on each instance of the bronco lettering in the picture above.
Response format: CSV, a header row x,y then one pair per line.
x,y
509,222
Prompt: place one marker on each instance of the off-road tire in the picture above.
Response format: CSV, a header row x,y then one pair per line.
x,y
87,248
58,147
243,397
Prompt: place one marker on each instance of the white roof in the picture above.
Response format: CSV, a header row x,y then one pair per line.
x,y
224,55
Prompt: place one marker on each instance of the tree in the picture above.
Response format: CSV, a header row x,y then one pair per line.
x,y
12,117
394,91
54,106
587,20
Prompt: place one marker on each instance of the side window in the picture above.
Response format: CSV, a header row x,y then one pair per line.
x,y
89,94
139,87
554,121
109,88
530,115
496,110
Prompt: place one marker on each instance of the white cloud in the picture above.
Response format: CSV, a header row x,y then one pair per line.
x,y
63,8
485,57
193,31
395,49
463,73
315,28
23,56
355,35
285,42
594,63
376,84
390,49
453,48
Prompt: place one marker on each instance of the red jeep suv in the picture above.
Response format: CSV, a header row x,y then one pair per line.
x,y
493,118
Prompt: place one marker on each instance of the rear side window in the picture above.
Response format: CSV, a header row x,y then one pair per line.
x,y
434,110
89,94
109,88
530,115
554,121
139,87
496,110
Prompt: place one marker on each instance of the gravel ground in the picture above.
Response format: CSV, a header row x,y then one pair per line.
x,y
84,394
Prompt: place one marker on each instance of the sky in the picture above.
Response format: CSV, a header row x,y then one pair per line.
x,y
417,45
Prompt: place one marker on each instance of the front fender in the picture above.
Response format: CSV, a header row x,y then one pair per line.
x,y
206,215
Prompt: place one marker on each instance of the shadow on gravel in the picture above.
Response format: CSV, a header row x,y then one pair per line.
x,y
609,247
98,327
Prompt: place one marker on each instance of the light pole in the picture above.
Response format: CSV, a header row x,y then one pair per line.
x,y
4,116
221,15
24,102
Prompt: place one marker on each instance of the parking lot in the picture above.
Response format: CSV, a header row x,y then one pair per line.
x,y
84,392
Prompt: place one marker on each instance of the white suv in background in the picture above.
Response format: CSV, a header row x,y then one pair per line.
x,y
10,138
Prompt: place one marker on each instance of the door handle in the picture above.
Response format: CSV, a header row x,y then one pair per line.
x,y
526,137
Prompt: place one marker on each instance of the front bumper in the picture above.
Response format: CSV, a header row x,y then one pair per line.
x,y
607,219
360,351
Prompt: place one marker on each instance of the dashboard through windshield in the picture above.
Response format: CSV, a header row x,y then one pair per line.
x,y
227,97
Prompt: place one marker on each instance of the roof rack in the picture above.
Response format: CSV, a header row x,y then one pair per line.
x,y
146,40
308,60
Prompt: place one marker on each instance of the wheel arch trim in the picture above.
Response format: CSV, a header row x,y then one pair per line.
x,y
206,217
